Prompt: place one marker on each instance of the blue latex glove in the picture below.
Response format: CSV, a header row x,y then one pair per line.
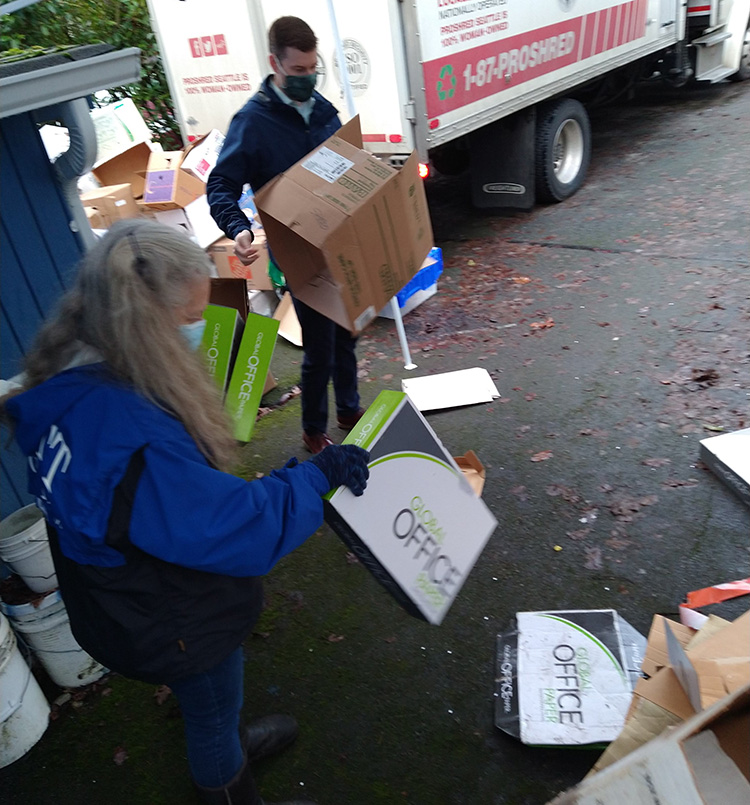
x,y
344,464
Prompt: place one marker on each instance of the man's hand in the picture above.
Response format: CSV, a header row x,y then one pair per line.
x,y
244,249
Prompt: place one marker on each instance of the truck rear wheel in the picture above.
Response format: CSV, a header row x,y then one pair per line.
x,y
744,71
563,149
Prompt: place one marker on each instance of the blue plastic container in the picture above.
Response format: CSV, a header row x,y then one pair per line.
x,y
425,278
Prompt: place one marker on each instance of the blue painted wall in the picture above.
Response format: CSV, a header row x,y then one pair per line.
x,y
38,255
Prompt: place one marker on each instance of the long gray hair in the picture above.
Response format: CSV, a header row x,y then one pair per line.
x,y
122,304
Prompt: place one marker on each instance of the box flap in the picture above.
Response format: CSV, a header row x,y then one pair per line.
x,y
230,293
473,470
351,131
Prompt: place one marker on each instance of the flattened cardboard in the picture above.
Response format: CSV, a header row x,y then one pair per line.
x,y
347,230
289,326
565,678
451,389
728,456
418,528
194,220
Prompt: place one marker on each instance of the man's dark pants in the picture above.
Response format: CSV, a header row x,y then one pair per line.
x,y
328,353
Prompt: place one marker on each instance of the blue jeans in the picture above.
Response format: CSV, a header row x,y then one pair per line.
x,y
328,353
210,704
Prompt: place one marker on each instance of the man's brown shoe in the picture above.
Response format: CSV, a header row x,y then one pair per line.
x,y
348,421
315,442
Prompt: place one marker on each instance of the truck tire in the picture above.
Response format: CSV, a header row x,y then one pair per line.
x,y
563,149
744,71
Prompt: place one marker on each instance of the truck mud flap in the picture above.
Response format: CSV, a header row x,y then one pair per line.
x,y
502,162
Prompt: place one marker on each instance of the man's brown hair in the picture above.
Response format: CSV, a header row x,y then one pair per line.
x,y
290,32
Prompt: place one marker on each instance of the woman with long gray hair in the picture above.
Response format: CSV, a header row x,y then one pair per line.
x,y
158,548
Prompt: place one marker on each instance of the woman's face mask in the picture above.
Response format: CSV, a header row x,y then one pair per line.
x,y
193,333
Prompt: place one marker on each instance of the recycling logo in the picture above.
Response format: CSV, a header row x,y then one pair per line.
x,y
446,85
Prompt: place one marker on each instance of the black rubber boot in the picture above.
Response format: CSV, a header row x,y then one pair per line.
x,y
240,790
268,735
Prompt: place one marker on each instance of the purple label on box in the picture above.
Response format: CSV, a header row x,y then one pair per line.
x,y
159,186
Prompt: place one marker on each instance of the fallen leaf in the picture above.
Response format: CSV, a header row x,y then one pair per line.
x,y
530,396
593,558
351,559
542,455
120,756
162,693
542,325
656,462
580,534
519,492
335,638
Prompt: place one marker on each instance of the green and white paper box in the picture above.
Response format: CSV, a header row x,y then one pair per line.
x,y
566,678
223,331
249,373
419,527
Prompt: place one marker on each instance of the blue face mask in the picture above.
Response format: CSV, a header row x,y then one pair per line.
x,y
193,333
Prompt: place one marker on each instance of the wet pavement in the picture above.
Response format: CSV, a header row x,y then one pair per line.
x,y
615,327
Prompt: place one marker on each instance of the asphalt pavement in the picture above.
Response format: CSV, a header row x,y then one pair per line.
x,y
615,327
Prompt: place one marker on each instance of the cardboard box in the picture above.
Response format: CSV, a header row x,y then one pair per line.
x,y
129,167
704,761
118,127
419,528
168,187
194,219
347,230
113,203
687,671
728,456
199,158
221,341
473,470
246,385
566,678
95,220
289,326
229,265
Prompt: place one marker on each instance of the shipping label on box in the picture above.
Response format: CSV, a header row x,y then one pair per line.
x,y
347,230
419,528
249,373
566,677
220,341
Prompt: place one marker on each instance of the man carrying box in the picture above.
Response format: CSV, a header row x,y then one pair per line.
x,y
280,124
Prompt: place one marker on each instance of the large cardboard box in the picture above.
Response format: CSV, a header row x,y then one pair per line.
x,y
347,230
129,167
118,127
419,527
199,158
112,203
566,678
229,265
168,187
704,761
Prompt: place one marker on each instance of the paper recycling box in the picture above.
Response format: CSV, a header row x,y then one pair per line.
x,y
347,230
728,456
419,527
220,341
566,678
249,374
168,187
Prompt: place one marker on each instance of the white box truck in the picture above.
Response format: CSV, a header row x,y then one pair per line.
x,y
497,86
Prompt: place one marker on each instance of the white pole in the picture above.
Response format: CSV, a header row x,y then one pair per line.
x,y
352,109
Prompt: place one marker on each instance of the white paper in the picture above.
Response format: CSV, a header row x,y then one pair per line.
x,y
327,164
451,389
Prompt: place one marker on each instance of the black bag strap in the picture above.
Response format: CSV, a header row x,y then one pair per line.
x,y
118,528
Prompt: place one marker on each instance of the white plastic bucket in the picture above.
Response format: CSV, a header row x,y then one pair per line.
x,y
24,712
24,547
44,626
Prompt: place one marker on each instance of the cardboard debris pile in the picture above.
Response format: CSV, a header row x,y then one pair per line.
x,y
686,738
566,678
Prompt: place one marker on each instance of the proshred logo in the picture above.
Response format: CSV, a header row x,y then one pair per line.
x,y
215,45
